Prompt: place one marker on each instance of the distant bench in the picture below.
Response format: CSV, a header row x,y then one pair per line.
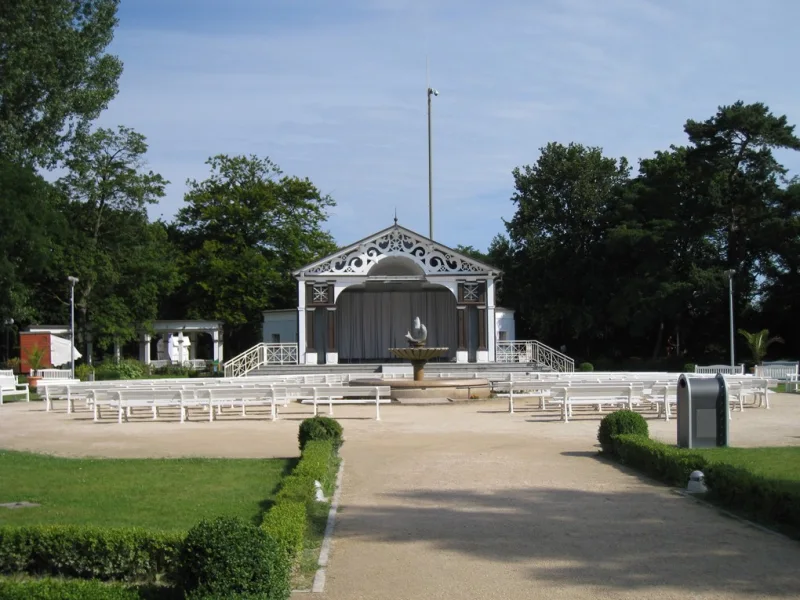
x,y
10,386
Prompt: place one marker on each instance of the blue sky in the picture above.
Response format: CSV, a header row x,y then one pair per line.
x,y
335,91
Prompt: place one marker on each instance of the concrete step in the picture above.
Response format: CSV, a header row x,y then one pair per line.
x,y
431,367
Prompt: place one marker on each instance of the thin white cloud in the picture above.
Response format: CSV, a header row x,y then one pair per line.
x,y
344,103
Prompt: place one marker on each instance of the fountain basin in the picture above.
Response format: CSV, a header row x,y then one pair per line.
x,y
440,387
419,355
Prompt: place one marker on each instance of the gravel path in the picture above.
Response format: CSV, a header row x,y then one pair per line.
x,y
470,502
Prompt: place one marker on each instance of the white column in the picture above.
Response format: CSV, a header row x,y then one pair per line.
x,y
144,348
217,346
491,325
221,345
193,346
301,321
117,351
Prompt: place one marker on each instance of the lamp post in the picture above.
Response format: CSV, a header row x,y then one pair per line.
x,y
431,92
730,306
8,323
72,281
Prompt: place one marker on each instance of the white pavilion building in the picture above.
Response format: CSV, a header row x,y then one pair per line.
x,y
352,306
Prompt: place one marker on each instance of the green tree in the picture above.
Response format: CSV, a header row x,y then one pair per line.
x,y
662,261
759,343
124,262
32,230
564,203
242,232
733,157
55,77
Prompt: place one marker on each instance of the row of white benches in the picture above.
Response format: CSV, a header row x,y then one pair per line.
x,y
660,394
123,401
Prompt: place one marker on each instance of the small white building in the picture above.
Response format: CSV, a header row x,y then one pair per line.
x,y
505,327
279,326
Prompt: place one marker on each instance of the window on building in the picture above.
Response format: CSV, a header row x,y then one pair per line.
x,y
276,338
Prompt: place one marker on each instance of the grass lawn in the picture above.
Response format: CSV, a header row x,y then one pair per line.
x,y
782,464
165,494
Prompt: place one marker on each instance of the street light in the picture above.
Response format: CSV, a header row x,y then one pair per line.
x,y
72,281
731,272
431,92
8,323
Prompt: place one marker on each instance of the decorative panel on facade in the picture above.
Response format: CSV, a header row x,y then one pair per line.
x,y
319,294
472,293
434,258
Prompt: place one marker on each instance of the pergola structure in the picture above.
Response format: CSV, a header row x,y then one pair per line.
x,y
357,303
190,329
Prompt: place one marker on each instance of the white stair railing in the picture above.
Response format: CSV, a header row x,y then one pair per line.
x,y
259,355
533,351
724,369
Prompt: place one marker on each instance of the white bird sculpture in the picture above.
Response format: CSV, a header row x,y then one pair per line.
x,y
418,333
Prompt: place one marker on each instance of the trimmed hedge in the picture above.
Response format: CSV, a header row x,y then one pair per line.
x,y
586,367
317,462
761,499
88,552
289,518
287,523
667,463
229,558
64,589
617,423
320,428
769,501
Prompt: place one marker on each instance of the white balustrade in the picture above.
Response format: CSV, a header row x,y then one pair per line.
x,y
533,351
259,355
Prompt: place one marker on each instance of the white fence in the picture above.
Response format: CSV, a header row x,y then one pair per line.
x,y
779,370
724,369
261,354
195,364
533,351
54,374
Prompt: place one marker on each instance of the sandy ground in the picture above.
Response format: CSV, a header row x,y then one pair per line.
x,y
470,502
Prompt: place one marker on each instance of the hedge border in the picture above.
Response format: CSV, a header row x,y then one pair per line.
x,y
767,501
120,554
289,518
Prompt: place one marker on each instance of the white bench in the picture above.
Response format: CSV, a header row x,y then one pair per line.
x,y
663,396
124,401
344,394
10,386
598,395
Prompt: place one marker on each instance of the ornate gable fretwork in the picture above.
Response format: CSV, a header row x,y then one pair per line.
x,y
397,241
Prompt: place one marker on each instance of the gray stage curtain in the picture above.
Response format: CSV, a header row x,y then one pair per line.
x,y
370,322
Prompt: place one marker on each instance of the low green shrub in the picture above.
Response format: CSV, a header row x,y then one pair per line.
x,y
688,368
318,462
761,499
667,463
287,522
229,558
320,428
296,488
83,371
586,367
127,368
88,552
619,422
64,589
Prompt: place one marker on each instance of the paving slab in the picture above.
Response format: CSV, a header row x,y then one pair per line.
x,y
467,501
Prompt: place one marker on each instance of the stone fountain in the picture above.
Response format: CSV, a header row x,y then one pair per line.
x,y
417,352
443,389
